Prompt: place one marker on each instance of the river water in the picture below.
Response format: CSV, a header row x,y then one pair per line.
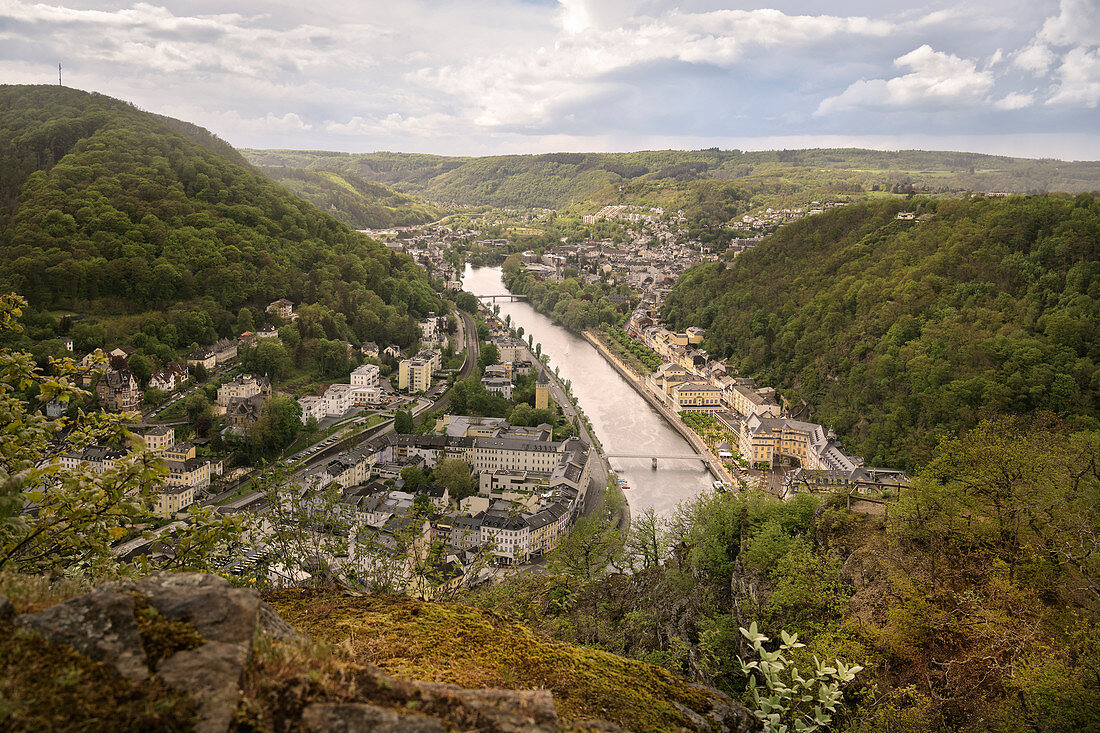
x,y
624,422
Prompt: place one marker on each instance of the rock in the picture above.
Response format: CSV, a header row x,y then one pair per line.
x,y
217,610
99,625
275,627
211,675
507,711
361,717
226,618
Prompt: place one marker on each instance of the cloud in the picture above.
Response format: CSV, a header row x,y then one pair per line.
x,y
1036,58
936,78
1079,79
427,74
1077,24
1014,100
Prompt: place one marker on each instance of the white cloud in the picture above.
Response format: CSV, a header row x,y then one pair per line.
x,y
936,78
1079,79
1014,100
1036,58
1077,24
424,74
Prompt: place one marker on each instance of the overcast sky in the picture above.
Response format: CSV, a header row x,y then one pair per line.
x,y
476,77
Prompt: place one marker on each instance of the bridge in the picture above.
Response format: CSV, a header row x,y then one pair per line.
x,y
511,297
687,457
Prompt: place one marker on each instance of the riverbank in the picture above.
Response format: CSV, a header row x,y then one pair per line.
x,y
601,467
638,383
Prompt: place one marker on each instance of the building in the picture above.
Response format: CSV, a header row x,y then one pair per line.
x,y
414,375
242,412
370,350
696,397
542,391
337,399
498,385
366,375
511,349
118,391
282,308
158,437
169,378
171,499
203,356
224,350
243,387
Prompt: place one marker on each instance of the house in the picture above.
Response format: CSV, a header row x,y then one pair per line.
x,y
393,351
370,350
267,332
204,356
68,342
224,350
282,308
118,391
498,385
157,438
243,412
243,387
312,406
169,378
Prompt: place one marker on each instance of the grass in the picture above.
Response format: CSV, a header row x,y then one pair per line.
x,y
475,648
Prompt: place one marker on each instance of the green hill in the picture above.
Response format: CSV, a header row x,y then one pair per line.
x,y
108,210
358,203
897,330
556,180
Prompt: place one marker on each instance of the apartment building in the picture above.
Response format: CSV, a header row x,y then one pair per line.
x,y
242,387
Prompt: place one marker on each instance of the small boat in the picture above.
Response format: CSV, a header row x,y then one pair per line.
x,y
623,484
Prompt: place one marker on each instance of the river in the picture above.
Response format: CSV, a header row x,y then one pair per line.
x,y
624,422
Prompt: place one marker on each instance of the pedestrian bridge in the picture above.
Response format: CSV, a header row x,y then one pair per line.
x,y
688,457
502,296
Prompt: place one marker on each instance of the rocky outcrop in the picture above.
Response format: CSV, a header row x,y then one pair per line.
x,y
194,634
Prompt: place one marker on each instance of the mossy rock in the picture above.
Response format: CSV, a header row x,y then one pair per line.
x,y
475,648
49,687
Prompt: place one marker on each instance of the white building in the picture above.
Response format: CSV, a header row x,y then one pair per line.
x,y
365,376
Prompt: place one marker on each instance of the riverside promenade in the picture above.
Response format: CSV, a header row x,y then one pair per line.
x,y
713,464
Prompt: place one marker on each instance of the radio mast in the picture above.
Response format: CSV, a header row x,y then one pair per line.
x,y
58,73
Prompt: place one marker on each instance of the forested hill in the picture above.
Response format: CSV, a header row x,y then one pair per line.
x,y
106,209
358,203
898,330
556,180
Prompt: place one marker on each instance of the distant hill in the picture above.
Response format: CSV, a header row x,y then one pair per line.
x,y
358,203
896,330
107,209
558,179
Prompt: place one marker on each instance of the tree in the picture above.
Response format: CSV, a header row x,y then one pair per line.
x,y
198,373
76,515
245,321
466,301
414,478
490,355
403,422
141,368
455,474
195,404
279,423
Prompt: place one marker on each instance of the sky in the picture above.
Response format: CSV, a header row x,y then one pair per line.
x,y
482,77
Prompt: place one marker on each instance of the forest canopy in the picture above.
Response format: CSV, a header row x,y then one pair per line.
x,y
896,331
107,209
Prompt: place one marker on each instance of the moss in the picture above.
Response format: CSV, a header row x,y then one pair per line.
x,y
49,687
476,648
161,636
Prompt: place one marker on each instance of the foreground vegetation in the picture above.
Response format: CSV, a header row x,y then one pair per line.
x,y
896,332
973,606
